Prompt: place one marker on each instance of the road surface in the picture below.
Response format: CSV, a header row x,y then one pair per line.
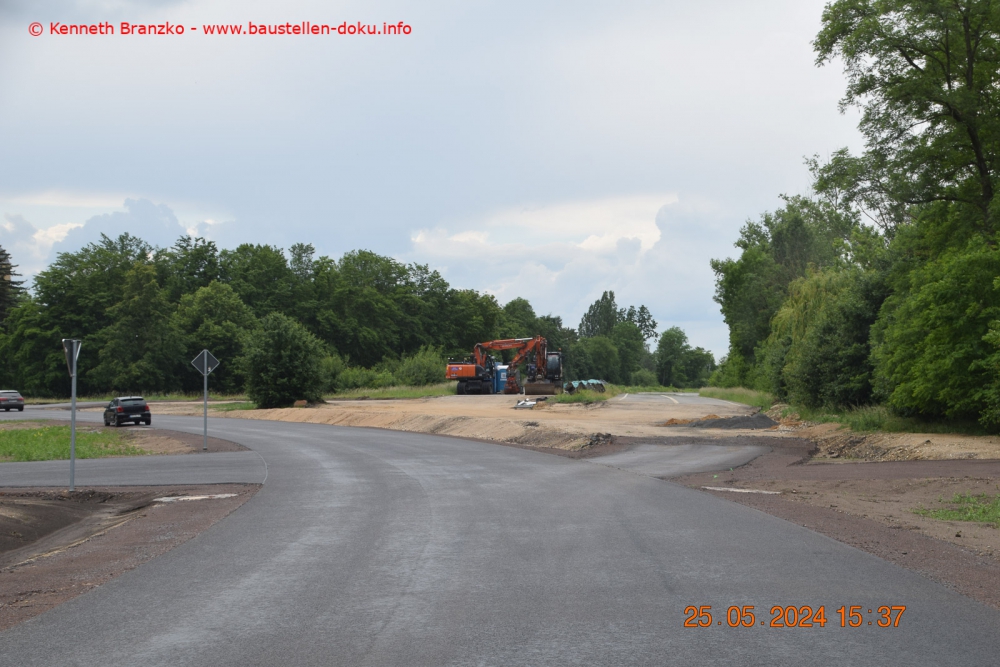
x,y
369,547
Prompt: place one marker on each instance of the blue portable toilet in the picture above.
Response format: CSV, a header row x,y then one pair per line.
x,y
500,379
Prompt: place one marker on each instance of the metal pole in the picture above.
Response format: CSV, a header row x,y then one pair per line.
x,y
72,428
204,447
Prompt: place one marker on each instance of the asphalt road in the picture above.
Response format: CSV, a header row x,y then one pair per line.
x,y
370,547
681,398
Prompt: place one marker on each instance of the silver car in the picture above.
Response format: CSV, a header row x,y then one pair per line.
x,y
10,399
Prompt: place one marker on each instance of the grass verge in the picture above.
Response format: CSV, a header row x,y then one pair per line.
x,y
872,418
584,396
442,389
759,399
979,508
51,443
229,407
149,397
868,418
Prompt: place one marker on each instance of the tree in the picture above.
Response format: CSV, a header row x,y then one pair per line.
x,y
602,357
928,344
259,274
282,362
643,319
11,288
520,319
192,263
628,341
778,249
670,354
924,74
141,350
214,319
601,317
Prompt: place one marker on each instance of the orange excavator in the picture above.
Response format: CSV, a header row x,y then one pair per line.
x,y
479,374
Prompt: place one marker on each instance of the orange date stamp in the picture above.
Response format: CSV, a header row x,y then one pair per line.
x,y
791,616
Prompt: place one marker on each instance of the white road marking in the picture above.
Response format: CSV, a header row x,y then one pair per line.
x,y
173,499
670,398
723,488
623,397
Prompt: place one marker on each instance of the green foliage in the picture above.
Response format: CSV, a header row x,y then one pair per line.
x,y
423,368
774,252
142,349
232,407
628,341
214,318
594,358
677,365
643,378
259,274
11,288
50,443
818,352
929,346
282,362
760,399
584,396
924,75
603,315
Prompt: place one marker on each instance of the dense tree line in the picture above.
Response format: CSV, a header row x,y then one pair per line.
x,y
882,287
144,312
286,325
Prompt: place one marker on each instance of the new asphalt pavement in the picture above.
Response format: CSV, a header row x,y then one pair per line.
x,y
369,547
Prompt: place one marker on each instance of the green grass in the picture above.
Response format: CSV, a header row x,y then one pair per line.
x,y
584,396
980,509
229,407
759,399
442,389
148,397
49,443
873,418
862,419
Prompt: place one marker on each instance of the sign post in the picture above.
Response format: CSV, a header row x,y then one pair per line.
x,y
71,348
205,363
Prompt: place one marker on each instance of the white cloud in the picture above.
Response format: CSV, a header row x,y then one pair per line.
x,y
66,199
649,249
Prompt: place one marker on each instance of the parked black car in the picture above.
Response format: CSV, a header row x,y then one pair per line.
x,y
127,409
10,399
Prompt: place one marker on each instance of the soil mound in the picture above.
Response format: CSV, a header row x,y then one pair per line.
x,y
757,421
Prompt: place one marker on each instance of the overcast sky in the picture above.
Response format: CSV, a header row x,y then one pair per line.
x,y
545,150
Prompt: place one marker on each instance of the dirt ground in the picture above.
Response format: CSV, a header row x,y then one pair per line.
x,y
870,505
567,426
147,438
55,545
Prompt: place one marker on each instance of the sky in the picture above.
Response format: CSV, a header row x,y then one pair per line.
x,y
549,151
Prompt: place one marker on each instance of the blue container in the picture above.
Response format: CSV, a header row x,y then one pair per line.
x,y
500,379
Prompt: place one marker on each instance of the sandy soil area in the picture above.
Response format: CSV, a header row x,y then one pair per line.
x,y
561,426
